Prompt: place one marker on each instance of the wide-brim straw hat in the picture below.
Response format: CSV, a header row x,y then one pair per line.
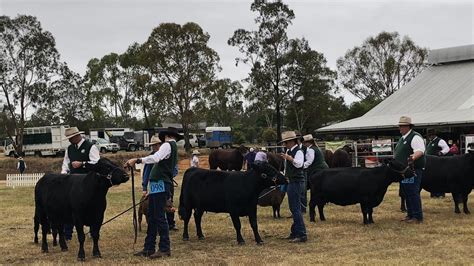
x,y
71,132
170,131
263,149
154,140
196,152
288,135
308,138
405,121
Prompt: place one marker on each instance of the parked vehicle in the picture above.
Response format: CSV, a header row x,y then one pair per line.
x,y
41,141
141,137
218,137
105,146
193,141
124,137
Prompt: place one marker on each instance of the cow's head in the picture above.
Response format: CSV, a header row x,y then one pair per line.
x,y
113,173
397,170
269,174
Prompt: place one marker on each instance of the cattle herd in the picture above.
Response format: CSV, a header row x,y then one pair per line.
x,y
81,199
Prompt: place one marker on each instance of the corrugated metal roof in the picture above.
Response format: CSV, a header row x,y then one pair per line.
x,y
451,54
440,95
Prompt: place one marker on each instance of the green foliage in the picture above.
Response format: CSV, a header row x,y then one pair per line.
x,y
29,64
358,109
381,65
269,135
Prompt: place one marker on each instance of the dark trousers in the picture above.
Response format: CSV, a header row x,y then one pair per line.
x,y
295,188
410,188
157,223
170,215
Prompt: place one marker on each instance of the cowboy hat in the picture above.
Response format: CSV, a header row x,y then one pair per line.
x,y
154,140
288,135
263,149
170,131
196,152
308,138
71,132
405,121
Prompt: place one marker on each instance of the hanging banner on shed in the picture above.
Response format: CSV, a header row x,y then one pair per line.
x,y
382,145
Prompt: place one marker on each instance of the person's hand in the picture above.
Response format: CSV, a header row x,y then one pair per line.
x,y
411,160
76,164
286,157
145,193
130,163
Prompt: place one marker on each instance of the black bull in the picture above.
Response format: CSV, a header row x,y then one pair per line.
x,y
232,192
452,174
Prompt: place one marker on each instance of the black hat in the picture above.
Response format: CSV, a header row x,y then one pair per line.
x,y
170,131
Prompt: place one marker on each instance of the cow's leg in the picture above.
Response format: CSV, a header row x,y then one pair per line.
x,y
278,207
403,205
312,206
274,211
186,216
62,238
456,202
44,233
95,232
197,219
237,226
36,228
54,233
364,208
464,202
81,255
254,225
321,211
370,211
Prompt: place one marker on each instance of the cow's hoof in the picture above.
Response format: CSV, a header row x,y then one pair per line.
x,y
55,244
185,238
241,243
97,256
261,243
44,251
81,259
36,241
201,237
457,211
312,220
63,249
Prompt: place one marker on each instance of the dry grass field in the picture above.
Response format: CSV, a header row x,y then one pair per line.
x,y
444,237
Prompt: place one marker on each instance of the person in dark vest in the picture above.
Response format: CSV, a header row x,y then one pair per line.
x,y
410,151
294,160
436,147
77,156
314,159
161,175
304,194
21,165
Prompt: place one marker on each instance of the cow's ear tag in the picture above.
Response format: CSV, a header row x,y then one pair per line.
x,y
264,176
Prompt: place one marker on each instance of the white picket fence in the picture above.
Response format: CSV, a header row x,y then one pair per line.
x,y
23,180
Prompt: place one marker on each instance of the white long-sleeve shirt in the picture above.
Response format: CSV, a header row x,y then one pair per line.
x,y
298,160
94,157
309,157
163,153
417,143
443,145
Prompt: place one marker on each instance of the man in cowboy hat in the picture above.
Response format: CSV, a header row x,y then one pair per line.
x,y
161,175
21,165
294,160
154,144
80,153
410,150
195,159
436,147
77,156
314,162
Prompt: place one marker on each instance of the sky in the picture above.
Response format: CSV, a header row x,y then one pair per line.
x,y
94,28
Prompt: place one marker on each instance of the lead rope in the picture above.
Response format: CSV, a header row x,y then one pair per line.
x,y
135,223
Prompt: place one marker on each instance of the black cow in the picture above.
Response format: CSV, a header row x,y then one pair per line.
x,y
449,174
235,193
341,158
78,199
272,197
36,224
348,186
276,161
227,159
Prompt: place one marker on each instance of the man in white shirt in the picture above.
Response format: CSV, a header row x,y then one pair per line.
x,y
294,160
261,155
436,147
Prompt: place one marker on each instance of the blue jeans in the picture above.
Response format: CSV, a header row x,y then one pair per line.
x,y
157,222
410,188
295,189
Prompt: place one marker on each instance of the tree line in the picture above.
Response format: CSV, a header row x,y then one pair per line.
x,y
173,76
